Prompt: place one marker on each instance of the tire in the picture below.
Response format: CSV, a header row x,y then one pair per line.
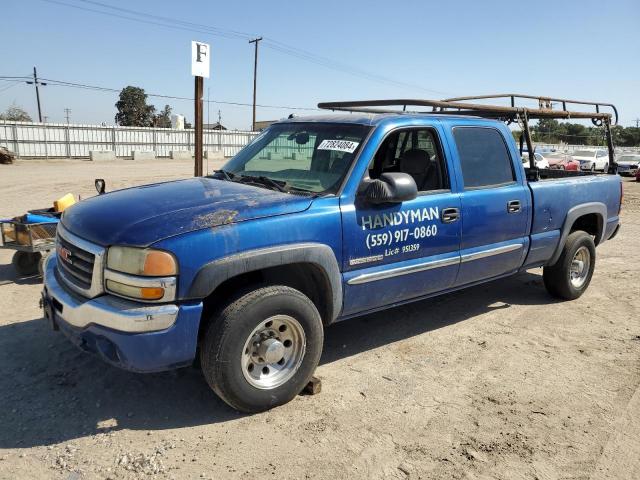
x,y
232,364
593,167
41,261
26,263
569,280
605,169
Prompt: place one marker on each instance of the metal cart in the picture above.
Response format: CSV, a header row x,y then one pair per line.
x,y
32,240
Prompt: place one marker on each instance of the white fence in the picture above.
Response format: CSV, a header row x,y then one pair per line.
x,y
50,140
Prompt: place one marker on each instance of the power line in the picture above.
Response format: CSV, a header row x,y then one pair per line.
x,y
61,83
10,85
216,31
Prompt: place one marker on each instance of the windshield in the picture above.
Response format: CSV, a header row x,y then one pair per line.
x,y
313,157
584,153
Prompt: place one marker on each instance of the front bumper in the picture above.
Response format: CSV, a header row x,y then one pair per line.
x,y
127,334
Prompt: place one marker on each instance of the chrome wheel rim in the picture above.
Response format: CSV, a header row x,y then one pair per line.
x,y
580,266
273,352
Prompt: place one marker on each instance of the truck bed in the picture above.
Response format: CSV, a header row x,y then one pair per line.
x,y
554,199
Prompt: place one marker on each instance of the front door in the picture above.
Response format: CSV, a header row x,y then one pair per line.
x,y
396,252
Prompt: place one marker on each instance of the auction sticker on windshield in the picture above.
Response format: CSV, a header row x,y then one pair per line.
x,y
339,145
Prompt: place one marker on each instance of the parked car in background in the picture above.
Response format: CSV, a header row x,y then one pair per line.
x,y
592,159
628,164
562,161
541,161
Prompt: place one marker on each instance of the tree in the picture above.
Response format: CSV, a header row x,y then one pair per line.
x,y
163,119
15,114
133,110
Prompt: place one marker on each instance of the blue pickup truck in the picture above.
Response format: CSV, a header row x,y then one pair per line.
x,y
318,220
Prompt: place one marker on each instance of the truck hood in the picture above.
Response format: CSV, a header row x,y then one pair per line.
x,y
140,216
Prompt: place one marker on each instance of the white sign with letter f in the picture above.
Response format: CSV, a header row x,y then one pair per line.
x,y
200,59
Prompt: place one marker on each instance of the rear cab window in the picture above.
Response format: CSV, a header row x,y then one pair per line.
x,y
484,157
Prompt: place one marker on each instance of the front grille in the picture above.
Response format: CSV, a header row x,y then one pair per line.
x,y
76,264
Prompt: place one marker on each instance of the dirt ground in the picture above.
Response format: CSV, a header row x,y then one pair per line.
x,y
496,382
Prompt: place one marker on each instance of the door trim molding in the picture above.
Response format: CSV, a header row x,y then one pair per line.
x,y
469,257
396,272
432,264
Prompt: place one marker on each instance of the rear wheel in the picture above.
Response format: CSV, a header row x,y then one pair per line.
x,y
26,263
262,348
569,278
606,168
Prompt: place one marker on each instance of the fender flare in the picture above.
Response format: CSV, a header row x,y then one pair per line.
x,y
573,214
214,273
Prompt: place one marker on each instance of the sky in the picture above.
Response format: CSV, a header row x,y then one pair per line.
x,y
317,51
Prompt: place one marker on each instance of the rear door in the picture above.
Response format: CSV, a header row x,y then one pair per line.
x,y
495,203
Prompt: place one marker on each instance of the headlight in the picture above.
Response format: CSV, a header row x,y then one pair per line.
x,y
141,261
141,274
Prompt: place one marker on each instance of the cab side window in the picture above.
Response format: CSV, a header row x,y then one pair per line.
x,y
416,152
484,157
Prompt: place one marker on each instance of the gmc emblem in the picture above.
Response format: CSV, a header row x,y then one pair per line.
x,y
65,255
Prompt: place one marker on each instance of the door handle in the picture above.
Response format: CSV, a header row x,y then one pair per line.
x,y
514,206
449,215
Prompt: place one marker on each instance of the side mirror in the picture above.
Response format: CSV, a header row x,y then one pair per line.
x,y
392,187
100,185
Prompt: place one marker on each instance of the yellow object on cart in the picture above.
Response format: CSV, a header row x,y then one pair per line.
x,y
64,202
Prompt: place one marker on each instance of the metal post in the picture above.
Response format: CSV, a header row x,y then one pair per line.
x,y
255,74
527,137
46,147
67,139
198,126
612,160
15,140
113,141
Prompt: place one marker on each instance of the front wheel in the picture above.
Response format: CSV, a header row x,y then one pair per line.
x,y
26,263
569,278
262,348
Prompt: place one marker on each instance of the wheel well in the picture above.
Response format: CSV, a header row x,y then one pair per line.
x,y
590,223
308,278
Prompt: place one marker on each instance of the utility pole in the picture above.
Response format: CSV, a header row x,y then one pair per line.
x,y
35,83
199,69
67,112
255,73
637,120
199,84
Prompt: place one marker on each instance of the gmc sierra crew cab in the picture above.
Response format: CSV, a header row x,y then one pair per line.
x,y
317,220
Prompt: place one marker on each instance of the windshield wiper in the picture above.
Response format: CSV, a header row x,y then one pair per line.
x,y
303,190
261,179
